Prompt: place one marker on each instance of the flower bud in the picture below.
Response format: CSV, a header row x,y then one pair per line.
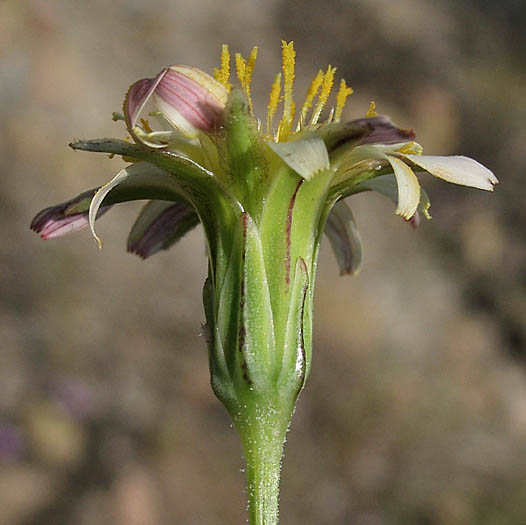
x,y
190,100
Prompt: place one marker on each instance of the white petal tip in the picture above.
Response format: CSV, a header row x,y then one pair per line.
x,y
404,214
408,188
457,169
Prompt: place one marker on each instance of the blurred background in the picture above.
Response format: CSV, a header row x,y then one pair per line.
x,y
415,410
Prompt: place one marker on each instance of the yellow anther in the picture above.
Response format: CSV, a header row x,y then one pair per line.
x,y
288,58
241,67
411,148
371,112
222,74
250,64
341,98
311,93
248,73
146,125
315,99
273,102
328,79
225,65
244,71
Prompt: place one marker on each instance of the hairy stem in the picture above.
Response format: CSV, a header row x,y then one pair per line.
x,y
262,433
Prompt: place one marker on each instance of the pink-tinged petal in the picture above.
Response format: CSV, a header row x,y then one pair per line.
x,y
187,98
63,226
456,169
137,97
64,218
190,100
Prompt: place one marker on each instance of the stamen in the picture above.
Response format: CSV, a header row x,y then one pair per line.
x,y
249,68
288,58
311,93
241,67
371,112
222,75
341,98
273,102
411,148
146,126
244,71
328,79
250,64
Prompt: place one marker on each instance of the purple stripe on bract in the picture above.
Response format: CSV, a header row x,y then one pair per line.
x,y
158,233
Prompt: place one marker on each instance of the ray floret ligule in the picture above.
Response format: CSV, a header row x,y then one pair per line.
x,y
264,191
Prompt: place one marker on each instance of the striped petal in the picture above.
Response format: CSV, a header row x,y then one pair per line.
x,y
138,96
67,217
159,226
190,100
456,169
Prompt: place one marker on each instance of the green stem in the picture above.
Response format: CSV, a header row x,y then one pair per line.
x,y
262,434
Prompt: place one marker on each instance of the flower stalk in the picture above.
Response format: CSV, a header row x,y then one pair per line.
x,y
262,431
264,200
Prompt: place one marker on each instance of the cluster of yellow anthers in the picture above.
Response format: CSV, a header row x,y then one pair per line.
x,y
320,87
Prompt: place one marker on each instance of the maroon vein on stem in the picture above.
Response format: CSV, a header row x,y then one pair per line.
x,y
288,228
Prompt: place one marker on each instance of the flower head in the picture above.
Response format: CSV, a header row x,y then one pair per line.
x,y
194,115
264,192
